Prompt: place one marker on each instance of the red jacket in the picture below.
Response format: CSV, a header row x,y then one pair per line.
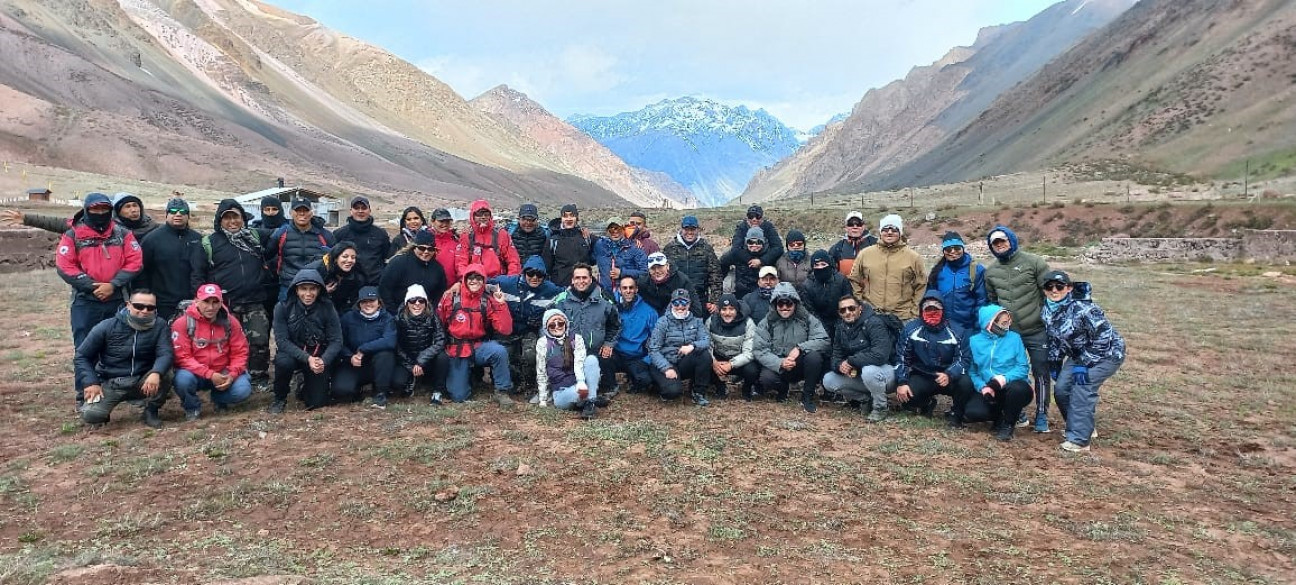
x,y
475,247
86,256
467,327
447,254
211,350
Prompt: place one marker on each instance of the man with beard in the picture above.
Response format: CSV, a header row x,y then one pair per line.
x,y
760,300
125,358
568,246
860,366
232,257
660,283
168,255
597,321
693,256
97,257
372,244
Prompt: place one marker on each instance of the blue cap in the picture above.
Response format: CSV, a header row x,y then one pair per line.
x,y
689,221
952,239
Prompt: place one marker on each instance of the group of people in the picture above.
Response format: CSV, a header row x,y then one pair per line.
x,y
556,310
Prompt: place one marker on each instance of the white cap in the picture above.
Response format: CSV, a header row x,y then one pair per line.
x,y
854,215
892,220
770,270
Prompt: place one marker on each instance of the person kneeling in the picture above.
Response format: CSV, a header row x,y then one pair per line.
x,y
420,346
1000,370
733,335
472,315
861,356
124,358
211,353
559,355
790,345
368,351
678,349
308,339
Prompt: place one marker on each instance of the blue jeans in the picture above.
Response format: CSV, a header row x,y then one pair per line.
x,y
489,353
187,386
86,312
1078,403
568,399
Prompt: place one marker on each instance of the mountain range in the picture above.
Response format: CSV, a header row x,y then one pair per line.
x,y
233,93
711,148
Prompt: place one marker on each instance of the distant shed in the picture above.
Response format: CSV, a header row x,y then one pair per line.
x,y
39,194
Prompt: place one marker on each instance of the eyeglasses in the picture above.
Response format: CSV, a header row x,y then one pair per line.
x,y
425,248
784,304
475,278
557,325
754,216
680,303
176,210
850,309
854,223
755,242
144,307
1054,286
416,302
890,229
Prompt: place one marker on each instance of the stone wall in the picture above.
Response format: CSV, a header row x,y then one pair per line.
x,y
23,249
1260,245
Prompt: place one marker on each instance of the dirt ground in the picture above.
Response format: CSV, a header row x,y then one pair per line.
x,y
1190,481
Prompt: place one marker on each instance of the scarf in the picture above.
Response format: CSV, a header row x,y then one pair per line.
x,y
1055,306
796,256
245,240
98,221
141,323
370,316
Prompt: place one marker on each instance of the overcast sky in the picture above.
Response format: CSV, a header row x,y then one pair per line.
x,y
802,61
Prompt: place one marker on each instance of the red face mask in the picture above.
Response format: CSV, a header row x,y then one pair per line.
x,y
933,317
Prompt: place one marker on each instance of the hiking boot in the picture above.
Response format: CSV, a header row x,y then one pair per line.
x,y
809,406
191,415
1070,447
878,415
602,401
379,401
1022,421
589,410
700,400
277,407
954,421
80,406
1005,431
927,410
151,418
1041,424
435,400
502,399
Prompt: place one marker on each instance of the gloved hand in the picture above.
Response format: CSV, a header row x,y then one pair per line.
x,y
1055,370
1079,375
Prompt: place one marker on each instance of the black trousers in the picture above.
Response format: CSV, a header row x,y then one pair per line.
x,y
434,375
925,390
375,368
748,373
315,387
695,366
1006,406
639,371
809,367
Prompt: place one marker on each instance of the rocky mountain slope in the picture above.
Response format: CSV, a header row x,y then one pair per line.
x,y
233,93
580,154
907,118
711,148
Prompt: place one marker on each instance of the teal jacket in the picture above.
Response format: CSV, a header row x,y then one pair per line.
x,y
995,355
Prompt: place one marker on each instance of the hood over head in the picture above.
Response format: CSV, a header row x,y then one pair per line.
x,y
226,205
475,268
784,290
987,315
307,275
534,262
1001,231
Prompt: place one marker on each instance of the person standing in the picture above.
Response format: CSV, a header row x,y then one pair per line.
x,y
680,350
746,262
97,257
529,237
486,245
167,254
843,253
569,245
662,280
794,266
272,214
371,242
961,280
1014,281
560,354
636,230
297,243
446,242
412,221
1084,351
617,255
343,275
860,365
211,353
308,339
125,357
1000,375
692,255
889,276
791,345
823,291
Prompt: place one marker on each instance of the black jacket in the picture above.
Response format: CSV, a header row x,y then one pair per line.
x,y
240,274
658,295
302,331
773,243
821,297
744,275
699,263
406,269
866,342
291,249
168,265
529,244
115,350
373,246
565,248
419,339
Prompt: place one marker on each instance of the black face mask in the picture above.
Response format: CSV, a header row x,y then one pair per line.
x,y
823,274
98,221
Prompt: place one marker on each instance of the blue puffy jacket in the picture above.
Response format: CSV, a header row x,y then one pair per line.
x,y
931,350
527,305
367,336
637,320
627,256
962,289
670,334
996,355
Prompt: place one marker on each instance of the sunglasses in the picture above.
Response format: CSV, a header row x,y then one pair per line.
x,y
530,217
952,249
680,303
795,245
534,274
636,223
475,278
143,307
1055,286
754,216
416,302
755,242
933,309
558,325
425,248
890,229
996,242
785,304
845,310
179,211
854,223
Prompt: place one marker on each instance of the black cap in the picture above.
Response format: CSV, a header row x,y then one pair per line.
x,y
424,238
359,199
368,293
570,208
528,210
1057,276
755,210
441,213
299,202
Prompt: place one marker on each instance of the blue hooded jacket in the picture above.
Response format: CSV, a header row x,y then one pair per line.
x,y
628,257
931,350
996,355
637,321
962,289
527,305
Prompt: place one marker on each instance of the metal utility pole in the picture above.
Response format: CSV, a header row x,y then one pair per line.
x,y
1246,179
981,193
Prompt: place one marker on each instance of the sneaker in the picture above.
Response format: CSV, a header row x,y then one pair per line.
x,y
589,410
191,415
502,398
809,406
379,401
878,415
151,418
700,400
260,385
435,400
1022,421
1005,432
1070,447
535,399
277,407
855,405
1041,424
721,391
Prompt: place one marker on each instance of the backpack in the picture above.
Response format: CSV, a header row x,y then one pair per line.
x,y
182,309
456,308
281,235
474,248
